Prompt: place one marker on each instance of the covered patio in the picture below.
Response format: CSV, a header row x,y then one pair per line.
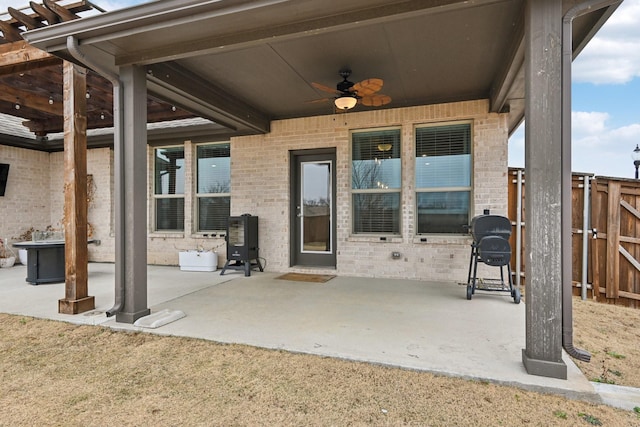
x,y
254,68
425,326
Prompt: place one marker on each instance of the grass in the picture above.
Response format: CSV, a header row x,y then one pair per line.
x,y
56,373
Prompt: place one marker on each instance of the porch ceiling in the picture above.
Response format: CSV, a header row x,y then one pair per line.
x,y
243,63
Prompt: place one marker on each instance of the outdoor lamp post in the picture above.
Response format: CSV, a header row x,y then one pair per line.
x,y
635,155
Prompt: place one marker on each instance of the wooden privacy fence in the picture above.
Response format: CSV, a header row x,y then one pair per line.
x,y
605,236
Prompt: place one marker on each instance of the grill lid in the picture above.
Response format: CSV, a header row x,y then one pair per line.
x,y
490,225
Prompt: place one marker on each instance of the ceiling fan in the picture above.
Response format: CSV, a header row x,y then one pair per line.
x,y
348,94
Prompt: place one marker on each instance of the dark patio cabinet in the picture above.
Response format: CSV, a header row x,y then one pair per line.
x,y
45,261
242,244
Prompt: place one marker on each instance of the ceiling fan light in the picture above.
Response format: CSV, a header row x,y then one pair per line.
x,y
345,102
385,146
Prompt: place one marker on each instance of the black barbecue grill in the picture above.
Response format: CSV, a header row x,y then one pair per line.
x,y
491,246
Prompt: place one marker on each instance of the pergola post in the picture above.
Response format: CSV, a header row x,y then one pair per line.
x,y
75,192
131,197
543,204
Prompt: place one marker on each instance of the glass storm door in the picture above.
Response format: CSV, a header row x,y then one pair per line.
x,y
314,211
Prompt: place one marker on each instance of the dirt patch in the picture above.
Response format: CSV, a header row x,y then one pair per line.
x,y
56,373
612,335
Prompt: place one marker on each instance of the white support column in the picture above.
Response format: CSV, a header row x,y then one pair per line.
x,y
543,204
131,229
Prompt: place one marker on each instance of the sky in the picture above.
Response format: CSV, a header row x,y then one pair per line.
x,y
605,95
605,110
104,4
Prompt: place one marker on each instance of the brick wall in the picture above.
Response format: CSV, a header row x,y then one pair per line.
x,y
163,247
260,186
100,207
27,197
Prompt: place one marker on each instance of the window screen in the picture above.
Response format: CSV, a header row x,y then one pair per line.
x,y
443,178
376,181
213,186
169,189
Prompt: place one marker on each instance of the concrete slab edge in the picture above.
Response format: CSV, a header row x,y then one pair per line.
x,y
618,396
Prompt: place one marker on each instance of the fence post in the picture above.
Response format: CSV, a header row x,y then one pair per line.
x,y
613,241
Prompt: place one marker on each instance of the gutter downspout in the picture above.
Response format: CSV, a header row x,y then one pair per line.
x,y
585,234
567,287
118,144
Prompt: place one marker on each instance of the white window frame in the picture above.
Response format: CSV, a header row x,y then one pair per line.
x,y
381,190
469,188
199,195
157,197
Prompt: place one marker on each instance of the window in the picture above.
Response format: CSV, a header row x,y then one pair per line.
x,y
169,189
214,186
376,181
443,178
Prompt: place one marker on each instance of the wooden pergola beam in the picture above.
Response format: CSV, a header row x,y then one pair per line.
x,y
55,125
9,32
45,13
30,100
64,13
50,11
26,20
31,78
20,56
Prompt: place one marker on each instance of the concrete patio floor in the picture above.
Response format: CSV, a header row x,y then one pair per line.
x,y
411,324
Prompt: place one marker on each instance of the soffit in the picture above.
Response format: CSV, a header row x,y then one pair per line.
x,y
222,59
422,60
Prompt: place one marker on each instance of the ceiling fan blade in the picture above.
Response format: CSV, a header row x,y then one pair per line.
x,y
317,101
377,100
325,88
367,87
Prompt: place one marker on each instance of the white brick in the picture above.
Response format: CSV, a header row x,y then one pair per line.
x,y
260,186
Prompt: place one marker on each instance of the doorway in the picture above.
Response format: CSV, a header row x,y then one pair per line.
x,y
313,210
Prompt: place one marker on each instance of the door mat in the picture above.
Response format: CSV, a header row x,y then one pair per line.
x,y
302,277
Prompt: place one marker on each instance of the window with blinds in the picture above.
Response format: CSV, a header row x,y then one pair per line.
x,y
169,188
213,186
376,181
443,178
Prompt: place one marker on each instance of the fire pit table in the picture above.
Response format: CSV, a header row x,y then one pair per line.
x,y
45,260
